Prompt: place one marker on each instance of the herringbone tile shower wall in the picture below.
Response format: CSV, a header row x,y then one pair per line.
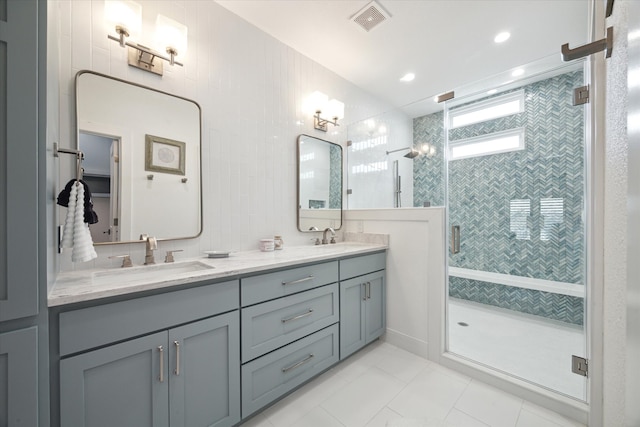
x,y
481,189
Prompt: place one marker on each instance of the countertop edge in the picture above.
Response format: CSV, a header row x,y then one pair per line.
x,y
72,287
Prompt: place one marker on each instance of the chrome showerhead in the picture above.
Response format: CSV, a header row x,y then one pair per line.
x,y
412,154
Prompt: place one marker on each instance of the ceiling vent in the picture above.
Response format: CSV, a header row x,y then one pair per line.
x,y
370,16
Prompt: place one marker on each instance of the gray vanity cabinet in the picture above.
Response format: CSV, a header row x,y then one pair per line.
x,y
186,376
204,381
362,302
289,331
170,359
19,377
116,386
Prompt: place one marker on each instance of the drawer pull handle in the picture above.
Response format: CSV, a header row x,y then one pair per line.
x,y
295,282
161,352
177,370
298,364
298,316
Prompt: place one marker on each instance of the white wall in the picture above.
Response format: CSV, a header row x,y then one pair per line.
x,y
632,377
415,263
615,229
251,88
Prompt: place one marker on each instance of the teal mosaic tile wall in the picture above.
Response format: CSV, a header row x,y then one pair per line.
x,y
481,191
335,177
564,308
429,173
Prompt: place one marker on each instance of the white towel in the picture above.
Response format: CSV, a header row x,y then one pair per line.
x,y
76,232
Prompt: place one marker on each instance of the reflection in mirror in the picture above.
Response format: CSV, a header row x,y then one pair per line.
x,y
319,184
142,159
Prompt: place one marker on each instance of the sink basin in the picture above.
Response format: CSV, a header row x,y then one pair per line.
x,y
148,273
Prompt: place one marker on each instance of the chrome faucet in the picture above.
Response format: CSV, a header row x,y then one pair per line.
x,y
324,235
152,245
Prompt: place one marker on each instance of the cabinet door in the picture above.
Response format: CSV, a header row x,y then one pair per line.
x,y
375,311
352,316
122,385
19,224
204,372
18,378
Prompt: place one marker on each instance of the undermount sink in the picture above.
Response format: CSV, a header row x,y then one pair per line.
x,y
148,273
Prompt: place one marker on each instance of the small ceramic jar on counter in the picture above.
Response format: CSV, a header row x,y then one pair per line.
x,y
266,245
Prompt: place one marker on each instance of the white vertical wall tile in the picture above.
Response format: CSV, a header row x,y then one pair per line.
x,y
251,89
81,34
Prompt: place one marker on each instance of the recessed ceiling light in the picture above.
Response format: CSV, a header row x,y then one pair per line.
x,y
408,77
517,72
492,91
502,37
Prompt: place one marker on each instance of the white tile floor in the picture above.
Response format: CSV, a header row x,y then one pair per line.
x,y
529,347
385,386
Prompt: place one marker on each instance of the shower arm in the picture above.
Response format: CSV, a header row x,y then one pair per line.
x,y
399,149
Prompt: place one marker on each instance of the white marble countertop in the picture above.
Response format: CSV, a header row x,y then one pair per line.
x,y
87,285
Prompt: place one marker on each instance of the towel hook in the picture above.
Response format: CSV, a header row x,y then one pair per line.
x,y
79,158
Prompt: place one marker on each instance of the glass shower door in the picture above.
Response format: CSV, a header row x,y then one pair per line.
x,y
516,181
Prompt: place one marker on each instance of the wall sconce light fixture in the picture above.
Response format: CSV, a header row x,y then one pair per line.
x,y
126,17
321,104
428,150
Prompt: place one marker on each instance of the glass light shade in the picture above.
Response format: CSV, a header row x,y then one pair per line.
x,y
317,101
123,13
171,34
335,109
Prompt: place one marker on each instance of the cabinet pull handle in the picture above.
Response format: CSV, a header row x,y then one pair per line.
x,y
298,316
364,288
295,282
368,290
298,364
177,370
161,352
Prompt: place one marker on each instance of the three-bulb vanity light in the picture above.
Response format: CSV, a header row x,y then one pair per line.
x,y
126,17
322,106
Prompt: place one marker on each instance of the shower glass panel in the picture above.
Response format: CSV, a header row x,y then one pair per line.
x,y
515,187
379,175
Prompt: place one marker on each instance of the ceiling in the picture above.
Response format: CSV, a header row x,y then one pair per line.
x,y
446,43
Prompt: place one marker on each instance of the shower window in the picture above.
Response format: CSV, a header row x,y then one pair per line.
x,y
494,143
499,106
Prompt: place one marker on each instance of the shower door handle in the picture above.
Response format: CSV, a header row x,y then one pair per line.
x,y
455,239
605,44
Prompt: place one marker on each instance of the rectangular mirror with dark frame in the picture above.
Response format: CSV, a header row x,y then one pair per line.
x,y
142,161
319,184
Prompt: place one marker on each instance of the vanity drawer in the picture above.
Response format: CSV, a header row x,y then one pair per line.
x,y
271,376
104,324
273,324
269,286
358,266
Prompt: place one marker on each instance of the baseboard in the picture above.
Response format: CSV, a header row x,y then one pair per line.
x,y
406,342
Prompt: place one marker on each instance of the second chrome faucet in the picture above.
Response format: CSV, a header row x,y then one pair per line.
x,y
324,235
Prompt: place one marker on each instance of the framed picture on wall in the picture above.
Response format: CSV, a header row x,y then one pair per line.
x,y
164,155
